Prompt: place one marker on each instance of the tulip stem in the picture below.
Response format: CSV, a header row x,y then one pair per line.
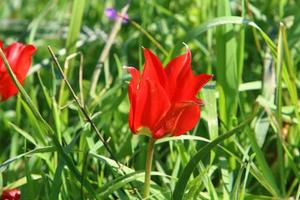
x,y
150,151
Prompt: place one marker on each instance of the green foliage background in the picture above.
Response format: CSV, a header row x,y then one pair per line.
x,y
250,46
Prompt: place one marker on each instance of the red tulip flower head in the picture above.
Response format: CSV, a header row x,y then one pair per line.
x,y
163,100
14,194
19,57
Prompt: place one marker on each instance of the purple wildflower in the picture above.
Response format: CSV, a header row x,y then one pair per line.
x,y
125,18
112,14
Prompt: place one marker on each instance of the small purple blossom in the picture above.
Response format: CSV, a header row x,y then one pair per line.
x,y
125,18
112,14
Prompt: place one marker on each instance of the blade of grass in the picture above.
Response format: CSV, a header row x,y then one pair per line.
x,y
48,130
252,168
73,34
227,84
289,78
74,26
58,176
189,168
83,110
34,25
121,181
23,133
210,113
220,21
34,151
236,188
150,37
227,66
82,107
279,108
105,52
21,181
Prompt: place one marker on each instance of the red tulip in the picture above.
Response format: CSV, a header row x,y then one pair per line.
x,y
19,57
163,100
14,194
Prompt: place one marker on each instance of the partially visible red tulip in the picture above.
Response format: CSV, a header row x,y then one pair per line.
x,y
13,194
163,100
19,57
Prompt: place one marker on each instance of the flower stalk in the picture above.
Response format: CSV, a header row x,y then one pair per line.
x,y
148,166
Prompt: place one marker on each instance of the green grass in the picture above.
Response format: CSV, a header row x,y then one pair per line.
x,y
56,144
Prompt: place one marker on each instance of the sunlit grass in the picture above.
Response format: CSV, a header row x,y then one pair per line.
x,y
61,145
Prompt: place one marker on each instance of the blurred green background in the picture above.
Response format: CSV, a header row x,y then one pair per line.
x,y
240,42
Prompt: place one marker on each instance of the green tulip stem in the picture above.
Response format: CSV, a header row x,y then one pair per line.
x,y
150,151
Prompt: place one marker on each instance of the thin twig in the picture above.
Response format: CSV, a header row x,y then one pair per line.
x,y
81,79
105,52
48,130
85,113
149,36
82,107
66,68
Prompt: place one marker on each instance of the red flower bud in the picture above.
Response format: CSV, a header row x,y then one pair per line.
x,y
163,100
14,194
19,57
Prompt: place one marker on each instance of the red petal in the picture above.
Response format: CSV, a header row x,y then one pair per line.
x,y
181,118
190,90
19,58
187,120
178,65
153,69
132,90
2,67
7,87
157,105
14,194
151,104
183,84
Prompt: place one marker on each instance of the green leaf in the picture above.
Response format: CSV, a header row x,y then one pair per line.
x,y
200,155
23,133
